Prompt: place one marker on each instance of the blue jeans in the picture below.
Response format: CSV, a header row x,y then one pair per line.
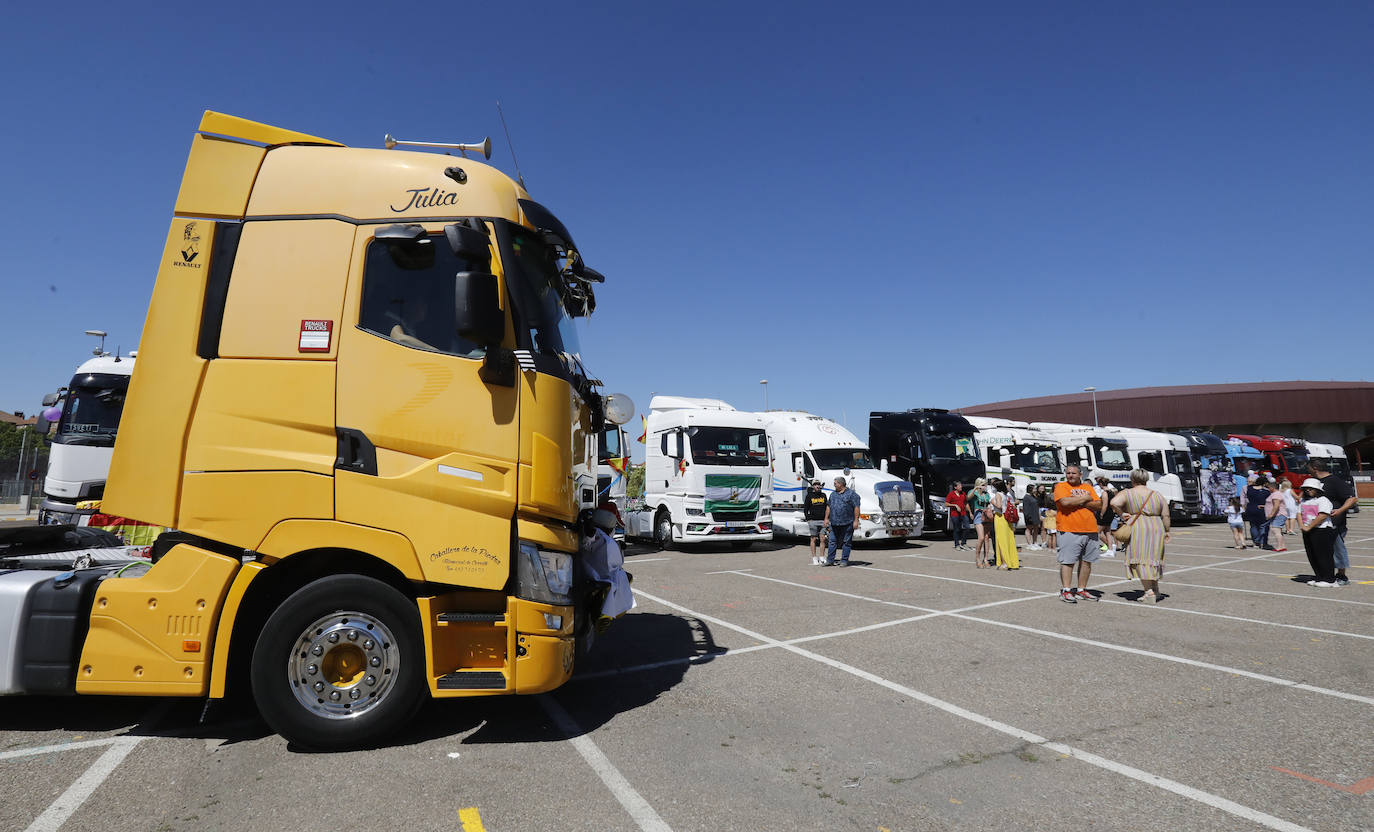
x,y
838,531
1259,533
958,523
1341,555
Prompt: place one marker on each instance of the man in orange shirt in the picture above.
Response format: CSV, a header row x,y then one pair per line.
x,y
1077,505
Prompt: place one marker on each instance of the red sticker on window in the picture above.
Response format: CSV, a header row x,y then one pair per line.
x,y
316,336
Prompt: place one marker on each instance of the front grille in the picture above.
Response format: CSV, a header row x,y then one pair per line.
x,y
733,516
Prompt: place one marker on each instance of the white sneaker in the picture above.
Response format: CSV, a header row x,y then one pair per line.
x,y
1320,583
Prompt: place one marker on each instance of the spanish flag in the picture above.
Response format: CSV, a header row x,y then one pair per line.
x,y
618,463
645,433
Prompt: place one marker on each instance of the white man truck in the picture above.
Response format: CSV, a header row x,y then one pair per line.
x,y
1019,453
707,475
79,461
808,447
612,470
1098,452
1170,463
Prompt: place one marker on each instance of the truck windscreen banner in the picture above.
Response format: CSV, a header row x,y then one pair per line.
x,y
727,492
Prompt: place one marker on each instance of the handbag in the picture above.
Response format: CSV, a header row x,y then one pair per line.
x,y
1122,533
1010,511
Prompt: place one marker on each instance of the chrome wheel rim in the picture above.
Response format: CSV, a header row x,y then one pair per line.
x,y
342,665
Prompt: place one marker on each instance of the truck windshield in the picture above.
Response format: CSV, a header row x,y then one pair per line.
x,y
1111,456
91,413
608,447
951,446
1035,459
539,292
1214,463
1180,462
1295,460
1340,467
728,446
832,459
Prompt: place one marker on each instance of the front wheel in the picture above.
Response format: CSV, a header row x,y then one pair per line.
x,y
340,663
663,529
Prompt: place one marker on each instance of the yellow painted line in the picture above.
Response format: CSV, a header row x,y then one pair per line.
x,y
471,820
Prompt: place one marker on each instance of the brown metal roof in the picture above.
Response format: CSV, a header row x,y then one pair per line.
x,y
1271,402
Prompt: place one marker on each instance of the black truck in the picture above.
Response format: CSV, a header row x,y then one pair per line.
x,y
930,448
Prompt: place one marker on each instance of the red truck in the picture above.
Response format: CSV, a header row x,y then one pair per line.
x,y
1285,458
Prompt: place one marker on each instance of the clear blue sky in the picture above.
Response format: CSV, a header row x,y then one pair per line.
x,y
872,206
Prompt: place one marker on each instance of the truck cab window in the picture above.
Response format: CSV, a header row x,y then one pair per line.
x,y
408,295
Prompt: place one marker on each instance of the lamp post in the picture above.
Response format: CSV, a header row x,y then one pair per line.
x,y
1093,390
764,382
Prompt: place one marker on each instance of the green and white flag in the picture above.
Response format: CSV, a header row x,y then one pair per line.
x,y
727,492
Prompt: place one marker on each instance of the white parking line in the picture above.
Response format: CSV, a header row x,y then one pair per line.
x,y
1106,645
1198,795
1157,608
70,800
53,749
639,809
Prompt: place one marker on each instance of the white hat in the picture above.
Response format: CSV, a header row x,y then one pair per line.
x,y
1313,482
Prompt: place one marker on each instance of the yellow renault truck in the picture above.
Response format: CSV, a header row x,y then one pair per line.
x,y
361,404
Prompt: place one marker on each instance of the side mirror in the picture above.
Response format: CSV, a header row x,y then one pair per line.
x,y
51,399
41,425
468,242
478,308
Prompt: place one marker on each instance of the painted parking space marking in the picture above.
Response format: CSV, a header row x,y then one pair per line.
x,y
638,808
1362,787
1180,789
77,793
1106,645
471,820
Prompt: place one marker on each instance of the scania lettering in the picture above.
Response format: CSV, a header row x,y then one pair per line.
x,y
808,447
369,514
930,448
707,475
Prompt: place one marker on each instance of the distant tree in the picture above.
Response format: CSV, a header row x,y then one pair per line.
x,y
634,482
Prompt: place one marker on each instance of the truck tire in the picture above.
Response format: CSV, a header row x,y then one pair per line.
x,y
663,529
340,664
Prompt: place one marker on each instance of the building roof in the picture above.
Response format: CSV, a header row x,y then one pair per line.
x,y
1269,402
16,419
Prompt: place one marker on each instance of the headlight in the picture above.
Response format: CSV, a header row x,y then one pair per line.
x,y
542,575
696,512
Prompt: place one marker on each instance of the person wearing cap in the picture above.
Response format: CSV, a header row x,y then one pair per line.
x,y
957,506
1343,499
1318,533
814,503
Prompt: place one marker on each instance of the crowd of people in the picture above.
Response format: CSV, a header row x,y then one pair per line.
x,y
1083,524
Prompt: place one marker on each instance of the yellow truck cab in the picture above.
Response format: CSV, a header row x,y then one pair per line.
x,y
360,402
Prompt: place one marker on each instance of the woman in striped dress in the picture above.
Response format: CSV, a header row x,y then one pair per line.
x,y
1149,532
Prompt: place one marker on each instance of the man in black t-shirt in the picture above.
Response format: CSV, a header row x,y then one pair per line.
x,y
1342,498
813,506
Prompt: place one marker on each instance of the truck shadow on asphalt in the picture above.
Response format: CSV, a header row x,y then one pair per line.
x,y
631,665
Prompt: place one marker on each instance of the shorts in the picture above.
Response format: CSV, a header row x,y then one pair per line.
x,y
1076,546
815,526
1236,524
1051,523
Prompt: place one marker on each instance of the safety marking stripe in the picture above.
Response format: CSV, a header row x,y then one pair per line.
x,y
69,801
471,820
1198,795
638,808
1120,648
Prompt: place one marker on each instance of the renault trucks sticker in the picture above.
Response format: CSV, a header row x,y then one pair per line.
x,y
190,247
316,335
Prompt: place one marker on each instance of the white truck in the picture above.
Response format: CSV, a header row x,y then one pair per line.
x,y
807,447
79,460
1170,463
1336,461
1099,452
707,475
612,470
1017,452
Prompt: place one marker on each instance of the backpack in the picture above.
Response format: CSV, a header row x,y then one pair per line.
x,y
1010,512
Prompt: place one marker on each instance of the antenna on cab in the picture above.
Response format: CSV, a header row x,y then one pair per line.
x,y
518,177
484,147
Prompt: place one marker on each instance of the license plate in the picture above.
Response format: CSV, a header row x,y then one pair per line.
x,y
898,531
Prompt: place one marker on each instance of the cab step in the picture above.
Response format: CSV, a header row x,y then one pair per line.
x,y
469,617
473,680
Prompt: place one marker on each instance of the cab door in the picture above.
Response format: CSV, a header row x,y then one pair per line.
x,y
426,448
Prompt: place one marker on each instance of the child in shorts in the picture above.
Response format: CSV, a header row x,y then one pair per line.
x,y
1236,522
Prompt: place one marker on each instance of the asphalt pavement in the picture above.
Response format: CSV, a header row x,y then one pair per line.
x,y
754,691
